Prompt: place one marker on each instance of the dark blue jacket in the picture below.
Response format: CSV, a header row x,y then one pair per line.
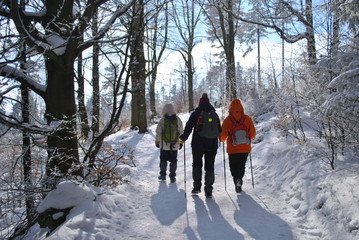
x,y
197,141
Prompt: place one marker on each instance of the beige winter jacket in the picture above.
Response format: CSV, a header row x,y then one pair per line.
x,y
159,131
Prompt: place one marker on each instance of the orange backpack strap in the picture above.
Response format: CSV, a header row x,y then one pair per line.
x,y
236,122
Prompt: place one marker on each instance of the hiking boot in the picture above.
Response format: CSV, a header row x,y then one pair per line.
x,y
239,186
162,178
173,179
195,191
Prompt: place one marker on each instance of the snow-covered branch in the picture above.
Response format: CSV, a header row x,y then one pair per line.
x,y
28,31
13,122
15,74
286,37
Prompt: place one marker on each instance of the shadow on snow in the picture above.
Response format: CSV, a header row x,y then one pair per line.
x,y
258,222
210,222
166,205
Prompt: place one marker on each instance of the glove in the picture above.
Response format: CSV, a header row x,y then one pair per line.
x,y
181,145
157,144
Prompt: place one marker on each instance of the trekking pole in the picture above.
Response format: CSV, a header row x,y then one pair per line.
x,y
224,166
184,167
250,159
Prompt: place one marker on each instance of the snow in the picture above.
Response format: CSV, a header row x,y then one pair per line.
x,y
60,199
15,73
38,14
57,44
296,196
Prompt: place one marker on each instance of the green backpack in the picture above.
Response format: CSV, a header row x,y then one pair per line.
x,y
170,132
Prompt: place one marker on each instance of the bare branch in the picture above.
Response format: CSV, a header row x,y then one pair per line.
x,y
119,12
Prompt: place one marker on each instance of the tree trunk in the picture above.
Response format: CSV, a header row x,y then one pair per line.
x,y
228,35
153,78
231,42
231,77
259,59
61,108
26,155
26,141
334,46
84,124
95,126
334,42
190,73
153,93
284,83
311,48
138,74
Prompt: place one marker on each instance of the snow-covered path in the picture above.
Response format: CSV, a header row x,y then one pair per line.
x,y
162,210
292,198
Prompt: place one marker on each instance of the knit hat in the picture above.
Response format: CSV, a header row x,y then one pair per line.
x,y
203,99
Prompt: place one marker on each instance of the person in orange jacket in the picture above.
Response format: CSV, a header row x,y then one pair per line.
x,y
237,152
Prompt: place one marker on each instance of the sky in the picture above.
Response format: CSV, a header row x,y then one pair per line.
x,y
271,50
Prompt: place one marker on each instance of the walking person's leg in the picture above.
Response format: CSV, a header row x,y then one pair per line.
x,y
237,163
234,166
173,165
197,169
242,157
209,177
163,164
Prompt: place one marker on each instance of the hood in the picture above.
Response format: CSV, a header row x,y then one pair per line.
x,y
236,109
168,110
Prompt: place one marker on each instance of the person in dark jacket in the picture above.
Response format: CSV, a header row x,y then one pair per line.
x,y
202,147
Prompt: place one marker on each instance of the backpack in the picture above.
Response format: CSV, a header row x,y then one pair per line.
x,y
239,133
170,132
207,124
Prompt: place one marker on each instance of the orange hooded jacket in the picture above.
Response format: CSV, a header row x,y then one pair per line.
x,y
236,110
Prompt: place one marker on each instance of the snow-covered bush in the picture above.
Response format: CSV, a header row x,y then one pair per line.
x,y
342,105
106,170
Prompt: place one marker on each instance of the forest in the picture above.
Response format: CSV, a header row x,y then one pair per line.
x,y
74,72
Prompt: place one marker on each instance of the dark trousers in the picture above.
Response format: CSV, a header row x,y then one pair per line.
x,y
209,157
237,164
170,156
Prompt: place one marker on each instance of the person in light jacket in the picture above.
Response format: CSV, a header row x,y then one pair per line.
x,y
168,149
